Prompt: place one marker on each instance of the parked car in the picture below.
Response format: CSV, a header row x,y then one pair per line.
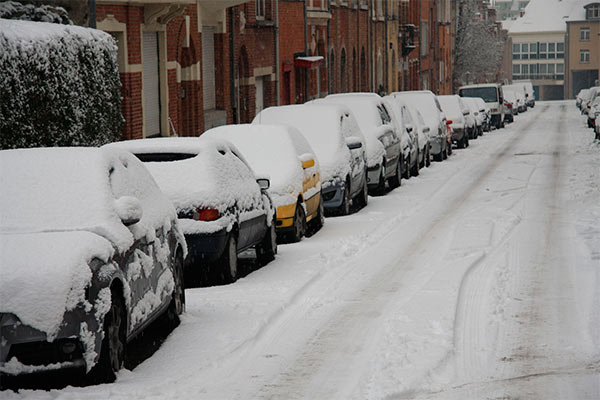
x,y
470,119
493,96
520,94
293,170
91,254
381,133
478,117
223,208
529,92
583,93
413,121
594,113
592,95
455,112
427,103
338,142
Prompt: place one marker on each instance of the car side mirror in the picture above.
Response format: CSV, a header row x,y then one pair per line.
x,y
466,112
353,142
129,210
426,129
409,128
263,183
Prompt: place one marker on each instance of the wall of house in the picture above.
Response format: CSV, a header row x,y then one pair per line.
x,y
580,74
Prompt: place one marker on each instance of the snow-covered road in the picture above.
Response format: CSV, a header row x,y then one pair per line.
x,y
478,279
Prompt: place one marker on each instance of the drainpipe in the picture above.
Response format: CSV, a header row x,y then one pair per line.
x,y
372,60
420,47
277,72
92,6
232,67
359,88
328,52
387,46
305,52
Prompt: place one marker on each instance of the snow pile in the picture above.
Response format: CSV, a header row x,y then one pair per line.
x,y
324,128
210,175
59,85
274,151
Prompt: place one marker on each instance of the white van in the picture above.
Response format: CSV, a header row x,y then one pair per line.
x,y
529,93
492,94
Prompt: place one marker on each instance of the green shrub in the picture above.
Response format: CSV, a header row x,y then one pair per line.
x,y
59,86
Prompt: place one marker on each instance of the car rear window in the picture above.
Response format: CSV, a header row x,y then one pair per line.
x,y
164,157
488,94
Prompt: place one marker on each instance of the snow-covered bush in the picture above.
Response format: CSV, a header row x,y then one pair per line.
x,y
59,85
30,12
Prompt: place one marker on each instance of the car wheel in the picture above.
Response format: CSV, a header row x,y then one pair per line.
x,y
344,209
112,352
427,156
396,180
319,220
299,227
406,164
415,168
380,189
267,248
229,261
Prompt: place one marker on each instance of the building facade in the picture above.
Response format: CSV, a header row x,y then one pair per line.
x,y
583,49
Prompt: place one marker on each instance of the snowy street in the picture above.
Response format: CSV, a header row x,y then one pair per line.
x,y
479,279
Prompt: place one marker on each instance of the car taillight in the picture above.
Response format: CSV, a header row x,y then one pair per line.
x,y
508,105
205,214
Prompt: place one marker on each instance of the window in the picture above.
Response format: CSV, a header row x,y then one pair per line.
x,y
584,34
543,69
424,45
524,69
533,69
525,51
593,12
260,9
533,51
551,49
543,49
584,56
560,50
551,69
560,68
516,69
516,51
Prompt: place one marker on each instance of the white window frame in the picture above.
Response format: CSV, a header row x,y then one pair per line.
x,y
261,9
584,34
584,56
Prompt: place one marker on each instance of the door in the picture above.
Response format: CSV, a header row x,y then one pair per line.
x,y
151,85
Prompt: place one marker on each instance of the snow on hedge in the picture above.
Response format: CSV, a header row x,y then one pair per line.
x,y
59,85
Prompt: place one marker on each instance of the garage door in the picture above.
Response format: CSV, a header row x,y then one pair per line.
x,y
151,85
208,67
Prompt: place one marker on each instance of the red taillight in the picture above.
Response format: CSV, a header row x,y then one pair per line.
x,y
449,122
508,105
206,214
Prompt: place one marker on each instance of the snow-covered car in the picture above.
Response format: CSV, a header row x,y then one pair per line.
x,y
591,97
455,112
90,253
492,94
389,153
283,154
222,207
583,93
429,107
339,144
594,113
471,103
414,123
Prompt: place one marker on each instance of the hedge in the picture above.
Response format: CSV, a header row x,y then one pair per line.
x,y
59,86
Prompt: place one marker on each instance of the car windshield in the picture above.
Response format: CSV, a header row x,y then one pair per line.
x,y
164,157
488,94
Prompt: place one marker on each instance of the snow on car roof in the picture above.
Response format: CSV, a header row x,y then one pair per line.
x,y
214,175
424,101
273,150
364,106
451,106
69,188
321,125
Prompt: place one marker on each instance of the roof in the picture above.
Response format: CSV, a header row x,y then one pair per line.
x,y
546,16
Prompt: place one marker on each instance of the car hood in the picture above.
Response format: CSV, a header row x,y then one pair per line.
x,y
45,274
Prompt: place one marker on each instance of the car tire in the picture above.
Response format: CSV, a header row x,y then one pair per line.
x,y
267,248
318,221
362,199
380,189
466,142
299,226
113,350
228,263
396,180
344,209
414,171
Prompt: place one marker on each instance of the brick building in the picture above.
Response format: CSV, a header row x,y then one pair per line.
x,y
189,65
